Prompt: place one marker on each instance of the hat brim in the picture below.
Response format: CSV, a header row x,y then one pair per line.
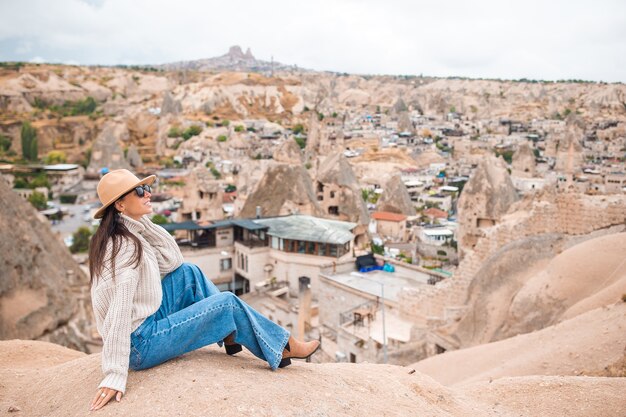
x,y
148,180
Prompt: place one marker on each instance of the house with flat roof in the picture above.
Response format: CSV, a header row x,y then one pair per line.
x,y
359,312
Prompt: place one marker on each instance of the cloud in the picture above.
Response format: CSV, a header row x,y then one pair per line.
x,y
483,38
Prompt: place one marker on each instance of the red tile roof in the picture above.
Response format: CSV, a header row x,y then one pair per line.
x,y
388,216
436,213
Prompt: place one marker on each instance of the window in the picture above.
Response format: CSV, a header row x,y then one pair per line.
x,y
332,194
333,250
226,264
321,249
310,248
245,265
301,246
334,210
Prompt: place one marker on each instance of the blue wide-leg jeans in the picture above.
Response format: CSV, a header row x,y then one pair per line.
x,y
193,314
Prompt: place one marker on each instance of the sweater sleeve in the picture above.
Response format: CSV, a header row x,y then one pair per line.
x,y
116,328
166,249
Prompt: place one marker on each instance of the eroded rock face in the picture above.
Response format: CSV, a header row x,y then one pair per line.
x,y
395,198
289,153
291,191
133,157
338,187
106,150
486,197
43,292
524,161
170,105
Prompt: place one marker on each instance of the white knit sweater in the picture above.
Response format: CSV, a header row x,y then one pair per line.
x,y
122,303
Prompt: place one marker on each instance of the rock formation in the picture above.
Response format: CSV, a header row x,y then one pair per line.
x,y
569,152
203,196
486,197
395,198
106,151
524,161
170,105
338,190
204,380
43,292
133,157
289,153
284,189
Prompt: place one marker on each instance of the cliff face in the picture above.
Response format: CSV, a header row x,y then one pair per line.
x,y
43,292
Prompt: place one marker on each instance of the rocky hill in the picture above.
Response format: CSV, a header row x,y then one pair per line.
x,y
234,60
43,292
53,381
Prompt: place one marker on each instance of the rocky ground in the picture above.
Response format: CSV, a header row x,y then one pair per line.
x,y
43,379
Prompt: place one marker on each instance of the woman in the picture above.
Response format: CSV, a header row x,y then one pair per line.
x,y
145,321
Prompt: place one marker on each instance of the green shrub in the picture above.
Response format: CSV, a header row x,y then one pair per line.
x,y
174,132
5,143
194,130
81,240
40,180
216,173
55,157
68,198
239,128
507,155
225,122
301,142
222,138
38,200
377,249
297,129
441,252
159,219
308,165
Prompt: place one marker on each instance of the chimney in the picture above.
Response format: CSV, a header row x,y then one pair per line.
x,y
258,212
304,310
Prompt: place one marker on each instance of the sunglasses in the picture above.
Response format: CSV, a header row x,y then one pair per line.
x,y
141,191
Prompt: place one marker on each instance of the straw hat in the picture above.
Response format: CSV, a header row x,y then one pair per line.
x,y
115,184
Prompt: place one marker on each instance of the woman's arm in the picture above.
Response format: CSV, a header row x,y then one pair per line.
x,y
116,328
166,249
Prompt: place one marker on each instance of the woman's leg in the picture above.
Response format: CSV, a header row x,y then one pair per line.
x,y
208,321
183,287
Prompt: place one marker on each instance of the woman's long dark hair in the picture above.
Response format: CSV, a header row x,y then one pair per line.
x,y
111,227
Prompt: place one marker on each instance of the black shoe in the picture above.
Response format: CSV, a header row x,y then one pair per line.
x,y
232,349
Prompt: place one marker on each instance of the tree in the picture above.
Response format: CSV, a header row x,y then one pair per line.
x,y
81,240
159,219
38,200
29,141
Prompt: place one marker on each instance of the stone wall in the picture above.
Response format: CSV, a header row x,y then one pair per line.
x,y
569,214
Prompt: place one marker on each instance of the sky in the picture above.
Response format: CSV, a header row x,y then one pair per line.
x,y
548,40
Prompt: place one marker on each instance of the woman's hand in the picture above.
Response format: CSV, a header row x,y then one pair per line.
x,y
103,396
